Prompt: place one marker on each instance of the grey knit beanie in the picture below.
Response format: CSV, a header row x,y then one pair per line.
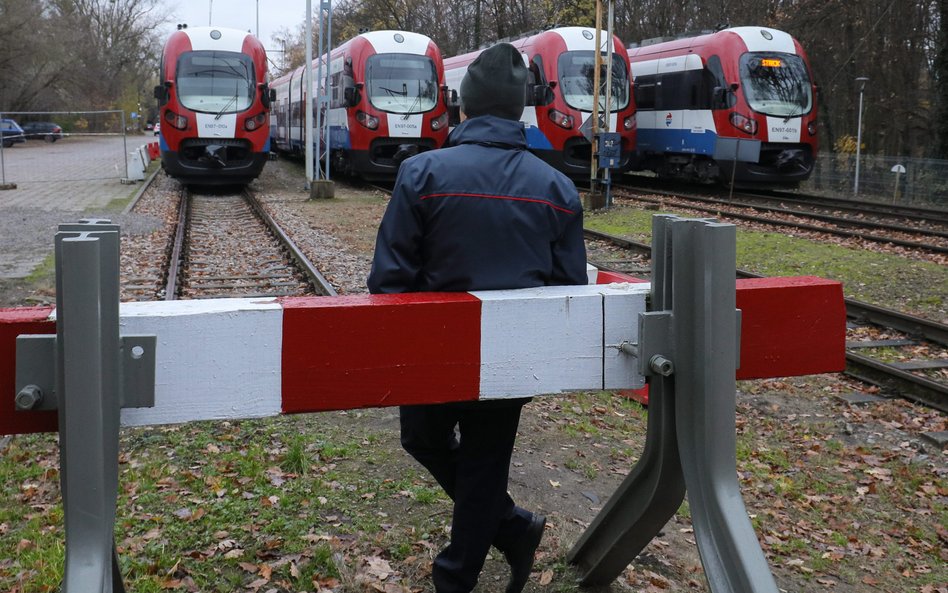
x,y
495,83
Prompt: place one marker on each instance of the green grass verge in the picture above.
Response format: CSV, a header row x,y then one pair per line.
x,y
881,278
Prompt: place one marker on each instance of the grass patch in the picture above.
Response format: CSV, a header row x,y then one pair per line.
x,y
870,276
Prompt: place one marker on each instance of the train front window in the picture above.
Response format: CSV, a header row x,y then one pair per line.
x,y
401,83
215,81
776,84
576,70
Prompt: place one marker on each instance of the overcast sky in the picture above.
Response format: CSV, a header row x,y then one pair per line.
x,y
240,14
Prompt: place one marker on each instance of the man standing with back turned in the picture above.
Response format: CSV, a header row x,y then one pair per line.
x,y
480,214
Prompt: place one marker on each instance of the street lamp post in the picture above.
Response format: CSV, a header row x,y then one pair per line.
x,y
862,80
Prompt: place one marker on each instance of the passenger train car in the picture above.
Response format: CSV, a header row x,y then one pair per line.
x,y
737,102
214,106
561,63
386,101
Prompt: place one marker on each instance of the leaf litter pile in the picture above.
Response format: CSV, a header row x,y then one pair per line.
x,y
843,497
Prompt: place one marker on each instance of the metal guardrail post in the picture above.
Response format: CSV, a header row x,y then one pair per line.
x,y
689,347
87,372
654,489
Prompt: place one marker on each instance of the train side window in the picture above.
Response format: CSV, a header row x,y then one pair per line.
x,y
535,77
335,92
720,99
670,93
644,89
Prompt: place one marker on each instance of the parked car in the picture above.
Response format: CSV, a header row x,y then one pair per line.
x,y
46,130
11,132
157,128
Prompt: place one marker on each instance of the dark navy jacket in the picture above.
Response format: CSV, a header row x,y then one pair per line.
x,y
482,214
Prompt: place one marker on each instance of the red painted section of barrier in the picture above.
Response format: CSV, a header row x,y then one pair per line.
x,y
791,326
380,350
604,277
15,322
153,151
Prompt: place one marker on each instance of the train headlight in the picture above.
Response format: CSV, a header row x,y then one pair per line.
x,y
628,123
369,121
176,121
440,122
256,122
811,128
561,119
743,123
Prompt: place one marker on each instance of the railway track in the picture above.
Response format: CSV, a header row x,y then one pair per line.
x,y
896,226
869,358
227,245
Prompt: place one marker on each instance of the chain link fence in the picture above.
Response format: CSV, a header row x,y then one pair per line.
x,y
899,180
55,146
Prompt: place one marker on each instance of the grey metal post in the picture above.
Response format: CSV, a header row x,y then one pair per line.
x,y
708,341
88,363
862,87
689,347
649,496
88,373
125,142
3,168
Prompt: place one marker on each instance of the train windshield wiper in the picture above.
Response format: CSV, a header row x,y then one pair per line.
x,y
232,101
394,92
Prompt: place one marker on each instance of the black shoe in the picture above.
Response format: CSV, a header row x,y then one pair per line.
x,y
520,557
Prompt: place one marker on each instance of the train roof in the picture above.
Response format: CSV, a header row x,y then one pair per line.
x,y
575,38
384,41
753,38
392,41
219,38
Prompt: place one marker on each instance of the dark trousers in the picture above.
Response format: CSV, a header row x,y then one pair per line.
x,y
473,471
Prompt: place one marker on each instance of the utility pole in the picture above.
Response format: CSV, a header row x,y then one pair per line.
x,y
308,94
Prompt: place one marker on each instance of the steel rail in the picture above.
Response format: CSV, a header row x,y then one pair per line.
x,y
174,264
319,282
926,214
799,225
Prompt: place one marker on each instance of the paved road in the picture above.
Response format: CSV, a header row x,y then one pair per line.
x,y
56,183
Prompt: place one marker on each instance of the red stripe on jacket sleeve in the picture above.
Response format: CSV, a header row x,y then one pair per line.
x,y
497,197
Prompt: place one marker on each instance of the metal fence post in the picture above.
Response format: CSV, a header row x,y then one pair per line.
x,y
689,344
87,372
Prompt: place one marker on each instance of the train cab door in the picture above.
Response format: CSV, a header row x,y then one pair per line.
x,y
648,119
669,105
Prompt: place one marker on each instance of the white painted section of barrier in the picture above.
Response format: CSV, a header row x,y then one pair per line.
x,y
541,340
621,306
592,273
216,359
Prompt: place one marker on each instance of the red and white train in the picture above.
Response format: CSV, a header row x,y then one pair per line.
x,y
386,101
560,94
737,102
214,106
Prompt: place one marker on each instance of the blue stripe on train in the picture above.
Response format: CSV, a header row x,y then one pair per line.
x,y
686,141
536,140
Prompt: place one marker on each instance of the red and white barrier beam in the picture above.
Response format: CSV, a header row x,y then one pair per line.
x,y
240,358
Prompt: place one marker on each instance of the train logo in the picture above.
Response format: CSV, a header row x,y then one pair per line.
x,y
668,120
